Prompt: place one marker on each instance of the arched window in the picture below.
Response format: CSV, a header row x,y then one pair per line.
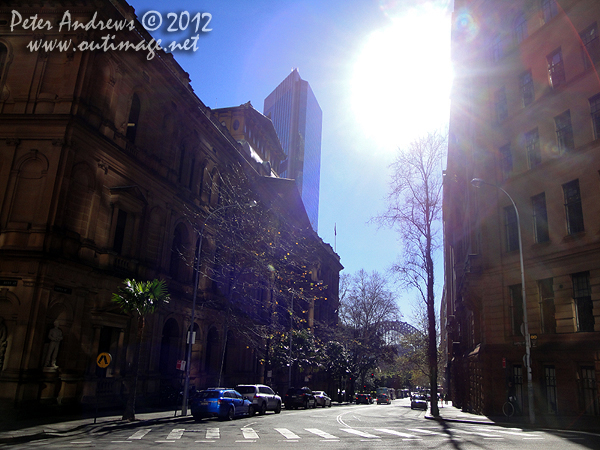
x,y
168,348
215,194
134,117
177,268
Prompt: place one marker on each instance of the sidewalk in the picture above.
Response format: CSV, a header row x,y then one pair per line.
x,y
27,430
449,413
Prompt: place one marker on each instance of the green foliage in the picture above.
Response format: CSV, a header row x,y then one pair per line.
x,y
141,297
306,351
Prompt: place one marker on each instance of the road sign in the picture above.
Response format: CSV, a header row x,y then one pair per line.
x,y
103,360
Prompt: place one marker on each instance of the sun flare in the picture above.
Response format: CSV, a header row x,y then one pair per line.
x,y
402,78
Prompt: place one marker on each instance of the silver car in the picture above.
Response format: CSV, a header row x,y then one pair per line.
x,y
322,399
262,396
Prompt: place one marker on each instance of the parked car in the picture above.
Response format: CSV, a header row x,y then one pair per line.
x,y
322,399
383,399
418,402
299,397
363,398
262,396
222,403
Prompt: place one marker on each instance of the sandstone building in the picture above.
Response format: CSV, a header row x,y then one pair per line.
x,y
525,119
110,166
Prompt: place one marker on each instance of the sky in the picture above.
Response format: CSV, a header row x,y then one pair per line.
x,y
379,69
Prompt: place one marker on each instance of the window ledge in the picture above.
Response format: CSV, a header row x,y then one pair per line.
x,y
574,237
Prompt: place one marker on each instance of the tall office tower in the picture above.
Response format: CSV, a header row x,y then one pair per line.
x,y
297,118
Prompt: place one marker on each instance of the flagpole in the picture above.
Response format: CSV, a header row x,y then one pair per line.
x,y
335,237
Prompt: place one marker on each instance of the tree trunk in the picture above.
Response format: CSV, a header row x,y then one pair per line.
x,y
432,350
129,413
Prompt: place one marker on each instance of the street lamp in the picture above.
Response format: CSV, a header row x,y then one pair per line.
x,y
477,182
186,385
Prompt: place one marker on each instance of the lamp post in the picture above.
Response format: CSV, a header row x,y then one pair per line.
x,y
186,385
291,332
477,182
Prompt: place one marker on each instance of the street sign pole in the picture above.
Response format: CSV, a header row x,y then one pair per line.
x,y
103,361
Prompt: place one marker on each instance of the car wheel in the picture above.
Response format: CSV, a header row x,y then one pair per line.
x,y
278,408
230,413
263,409
329,406
197,418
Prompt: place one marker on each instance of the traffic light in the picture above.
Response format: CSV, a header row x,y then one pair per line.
x,y
372,375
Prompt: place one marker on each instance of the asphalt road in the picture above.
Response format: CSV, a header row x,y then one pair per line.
x,y
350,426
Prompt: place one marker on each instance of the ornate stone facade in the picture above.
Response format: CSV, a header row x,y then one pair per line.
x,y
110,166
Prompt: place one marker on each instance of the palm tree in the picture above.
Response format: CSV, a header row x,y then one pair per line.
x,y
139,298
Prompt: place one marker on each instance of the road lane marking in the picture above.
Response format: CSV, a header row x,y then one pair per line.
x,y
321,433
213,433
176,433
360,433
287,433
514,433
418,430
249,433
479,433
397,433
140,434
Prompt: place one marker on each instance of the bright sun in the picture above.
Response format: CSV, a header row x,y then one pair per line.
x,y
402,78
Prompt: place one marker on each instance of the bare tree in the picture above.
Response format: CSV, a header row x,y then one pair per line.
x,y
414,207
366,305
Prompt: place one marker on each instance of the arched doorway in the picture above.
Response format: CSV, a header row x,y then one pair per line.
x,y
212,361
169,352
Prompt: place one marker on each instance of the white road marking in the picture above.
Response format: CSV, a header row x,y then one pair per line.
x,y
479,433
249,433
176,433
397,433
321,433
418,430
287,433
140,434
360,433
521,433
213,433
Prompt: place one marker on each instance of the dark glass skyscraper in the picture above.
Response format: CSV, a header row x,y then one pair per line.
x,y
297,118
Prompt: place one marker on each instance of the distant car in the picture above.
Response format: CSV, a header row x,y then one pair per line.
x,y
226,404
418,402
322,399
299,397
383,399
262,396
363,398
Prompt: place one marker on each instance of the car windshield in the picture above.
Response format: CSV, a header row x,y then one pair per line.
x,y
245,389
209,394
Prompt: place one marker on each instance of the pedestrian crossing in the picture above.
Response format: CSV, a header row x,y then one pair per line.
x,y
249,434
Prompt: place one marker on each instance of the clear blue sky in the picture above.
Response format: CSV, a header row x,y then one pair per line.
x,y
334,44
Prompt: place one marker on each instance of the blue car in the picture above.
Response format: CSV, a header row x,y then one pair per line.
x,y
226,404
